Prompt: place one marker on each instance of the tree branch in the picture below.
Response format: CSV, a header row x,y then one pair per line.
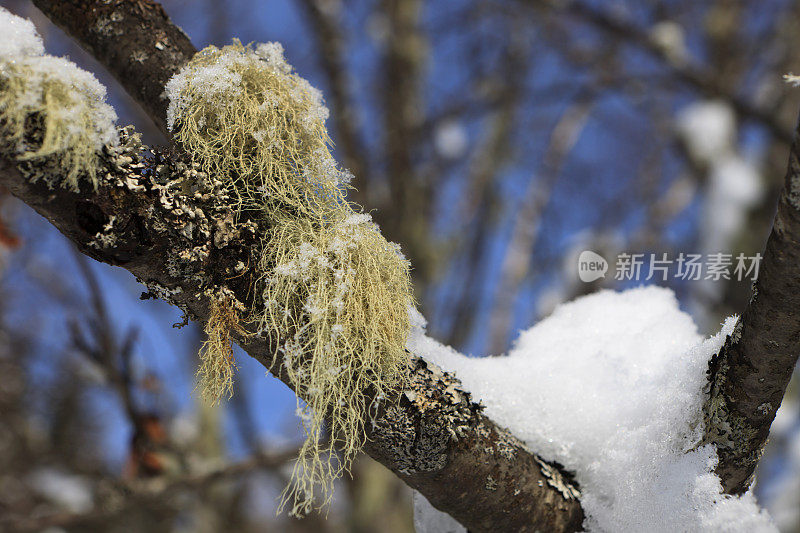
x,y
432,435
133,39
749,376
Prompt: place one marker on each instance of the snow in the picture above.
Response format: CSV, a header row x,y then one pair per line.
x,y
708,128
19,36
610,386
86,87
272,53
218,79
24,50
222,79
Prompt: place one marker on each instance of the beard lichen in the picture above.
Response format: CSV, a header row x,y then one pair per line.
x,y
337,294
217,363
247,117
68,102
329,291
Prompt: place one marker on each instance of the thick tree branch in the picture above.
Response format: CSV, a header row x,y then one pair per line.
x,y
134,39
432,435
749,376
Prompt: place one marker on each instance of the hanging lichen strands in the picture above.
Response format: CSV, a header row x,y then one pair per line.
x,y
331,292
343,293
217,364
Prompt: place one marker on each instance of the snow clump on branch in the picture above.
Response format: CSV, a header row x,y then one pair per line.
x,y
611,386
68,102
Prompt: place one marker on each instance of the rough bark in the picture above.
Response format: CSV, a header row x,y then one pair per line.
x,y
134,39
749,376
431,434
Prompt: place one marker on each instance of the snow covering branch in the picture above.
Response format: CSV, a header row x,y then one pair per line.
x,y
611,386
749,376
431,434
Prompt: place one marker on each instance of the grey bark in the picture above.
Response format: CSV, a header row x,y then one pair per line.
x,y
749,376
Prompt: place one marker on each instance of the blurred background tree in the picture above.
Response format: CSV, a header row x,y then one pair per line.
x,y
494,140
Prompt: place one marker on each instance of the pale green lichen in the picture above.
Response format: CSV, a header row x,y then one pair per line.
x,y
330,291
217,364
244,115
74,120
336,294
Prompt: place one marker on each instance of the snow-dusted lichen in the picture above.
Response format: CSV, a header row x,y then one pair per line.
x,y
19,36
68,102
335,295
246,117
329,291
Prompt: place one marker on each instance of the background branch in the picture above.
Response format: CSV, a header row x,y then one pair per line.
x,y
748,378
